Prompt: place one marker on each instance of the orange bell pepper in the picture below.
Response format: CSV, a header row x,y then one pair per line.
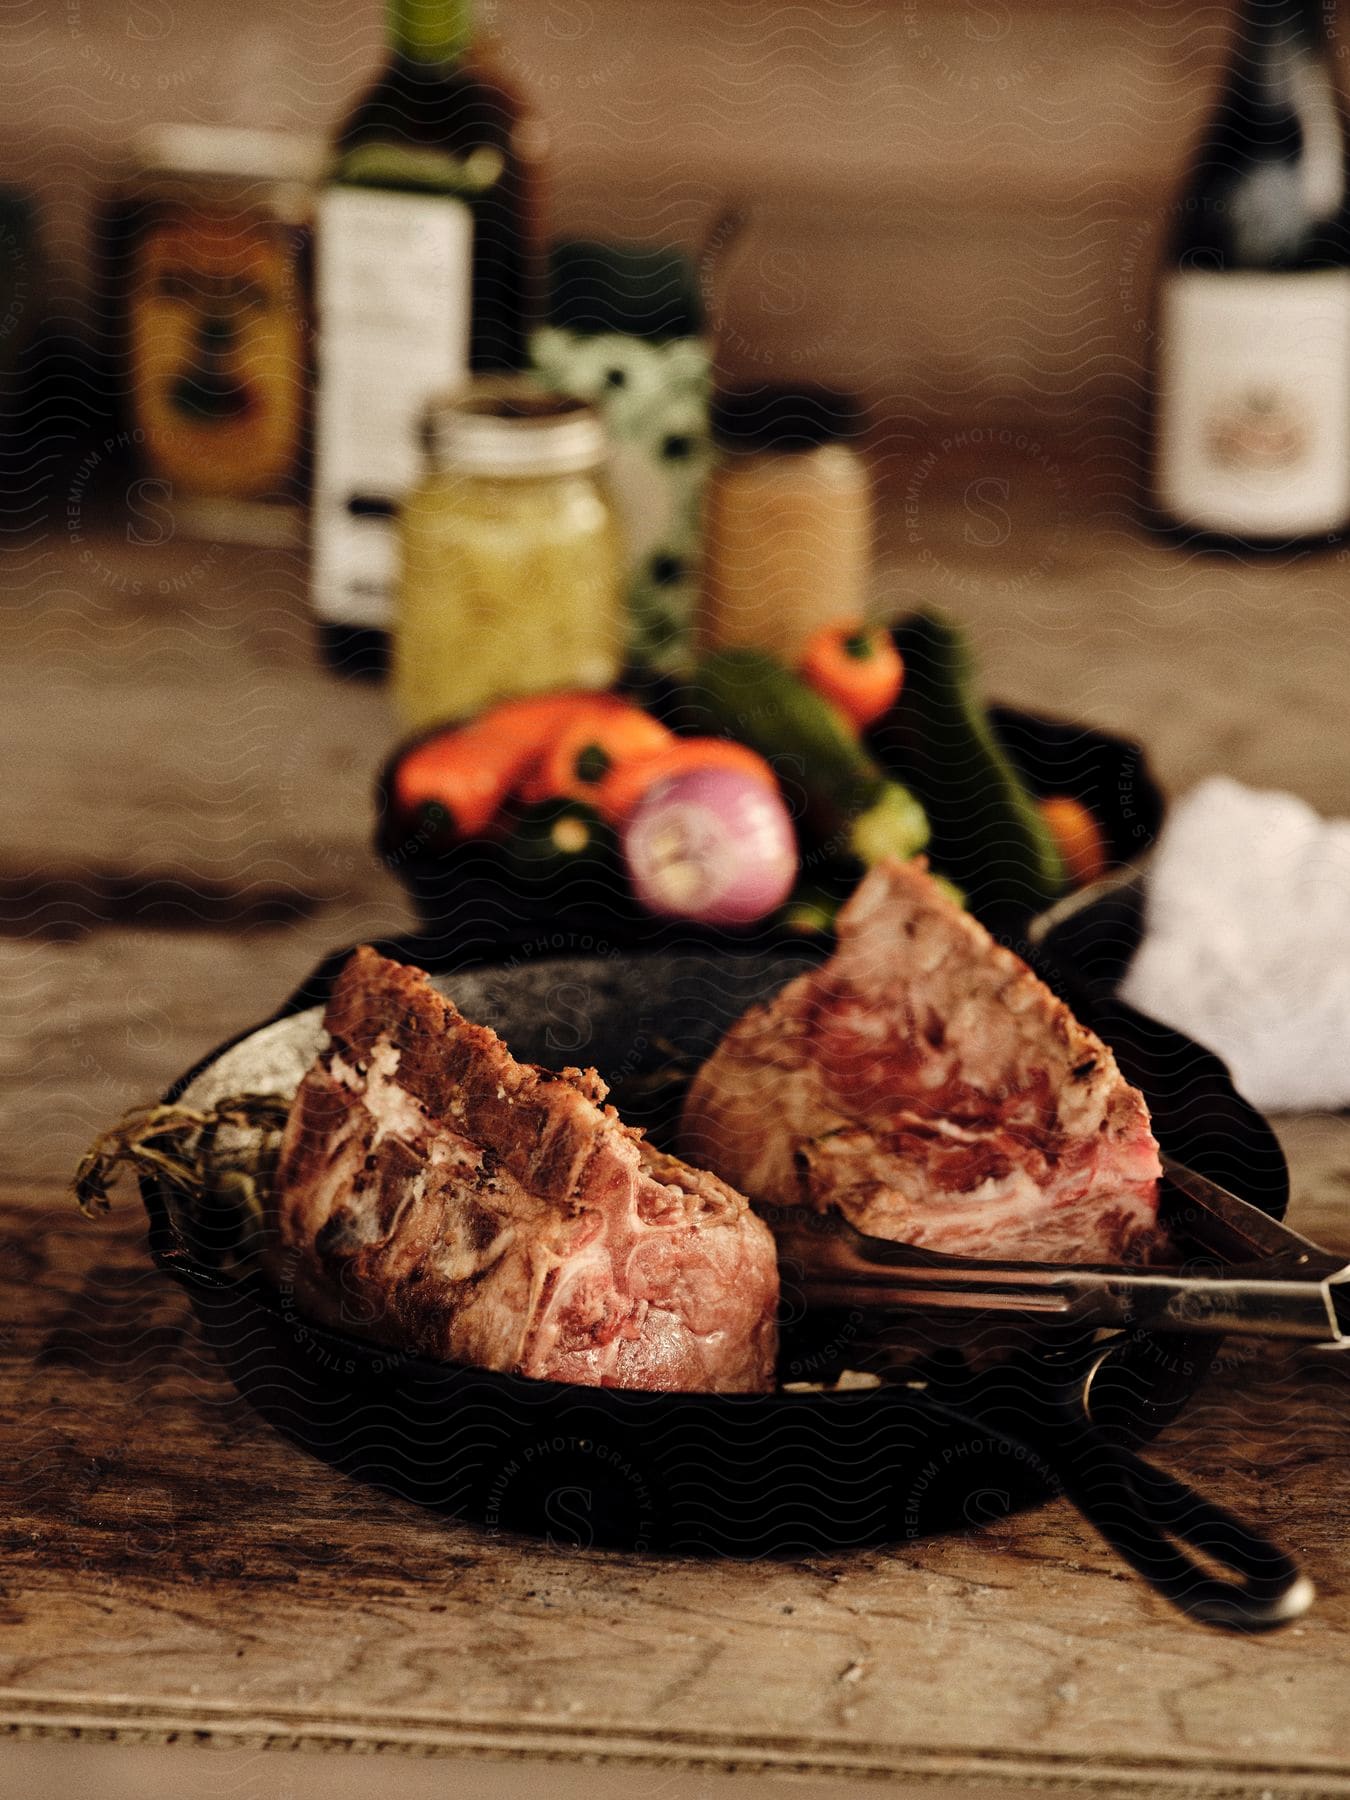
x,y
628,782
858,670
470,769
1078,837
583,754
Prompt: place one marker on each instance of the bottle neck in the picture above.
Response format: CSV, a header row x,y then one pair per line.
x,y
1275,39
429,34
1301,22
1296,95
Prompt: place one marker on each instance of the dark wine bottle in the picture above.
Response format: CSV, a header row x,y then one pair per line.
x,y
1252,408
425,268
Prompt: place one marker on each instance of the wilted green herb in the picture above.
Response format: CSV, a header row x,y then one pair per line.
x,y
214,1166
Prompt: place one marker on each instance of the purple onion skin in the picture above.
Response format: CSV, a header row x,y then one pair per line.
x,y
713,846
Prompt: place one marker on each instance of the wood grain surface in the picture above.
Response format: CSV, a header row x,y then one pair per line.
x,y
169,1568
172,1566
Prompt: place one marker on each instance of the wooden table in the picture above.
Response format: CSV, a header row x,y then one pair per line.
x,y
187,810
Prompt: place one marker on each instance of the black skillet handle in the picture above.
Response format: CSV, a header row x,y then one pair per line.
x,y
1190,1550
1164,1529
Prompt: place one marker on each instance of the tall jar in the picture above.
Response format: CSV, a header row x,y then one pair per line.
x,y
510,556
787,524
205,247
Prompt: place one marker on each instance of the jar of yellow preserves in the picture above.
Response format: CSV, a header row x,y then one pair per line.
x,y
511,556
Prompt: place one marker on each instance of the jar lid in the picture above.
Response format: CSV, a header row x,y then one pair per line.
x,y
221,166
784,419
513,429
230,152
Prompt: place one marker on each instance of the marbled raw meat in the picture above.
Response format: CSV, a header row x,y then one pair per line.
x,y
435,1194
924,1082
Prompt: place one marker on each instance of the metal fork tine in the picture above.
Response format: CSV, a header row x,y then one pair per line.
x,y
1218,1219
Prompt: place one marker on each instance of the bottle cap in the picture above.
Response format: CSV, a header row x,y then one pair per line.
x,y
646,291
514,430
784,419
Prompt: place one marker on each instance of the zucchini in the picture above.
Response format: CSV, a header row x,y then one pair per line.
x,y
848,801
556,842
989,835
810,910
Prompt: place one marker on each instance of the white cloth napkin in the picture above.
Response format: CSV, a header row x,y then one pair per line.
x,y
1247,945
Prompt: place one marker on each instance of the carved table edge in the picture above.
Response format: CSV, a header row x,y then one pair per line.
x,y
148,1723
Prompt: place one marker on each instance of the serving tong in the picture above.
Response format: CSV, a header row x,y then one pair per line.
x,y
1245,1273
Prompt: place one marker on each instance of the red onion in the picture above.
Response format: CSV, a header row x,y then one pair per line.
x,y
711,845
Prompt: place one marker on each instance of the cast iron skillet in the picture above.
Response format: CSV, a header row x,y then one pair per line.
x,y
949,1444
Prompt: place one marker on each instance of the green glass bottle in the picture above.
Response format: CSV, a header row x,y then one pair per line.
x,y
425,271
1252,411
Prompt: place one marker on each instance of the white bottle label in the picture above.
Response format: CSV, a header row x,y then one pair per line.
x,y
1253,430
392,276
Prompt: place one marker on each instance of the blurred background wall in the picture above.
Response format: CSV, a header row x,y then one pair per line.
x,y
952,205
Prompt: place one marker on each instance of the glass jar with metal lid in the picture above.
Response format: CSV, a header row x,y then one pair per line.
x,y
511,560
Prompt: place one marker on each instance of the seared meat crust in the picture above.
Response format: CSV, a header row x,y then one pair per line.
x,y
437,1195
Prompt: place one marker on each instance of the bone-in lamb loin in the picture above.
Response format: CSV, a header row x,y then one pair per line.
x,y
435,1194
925,1083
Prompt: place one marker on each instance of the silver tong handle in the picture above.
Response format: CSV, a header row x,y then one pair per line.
x,y
1276,1284
1261,1306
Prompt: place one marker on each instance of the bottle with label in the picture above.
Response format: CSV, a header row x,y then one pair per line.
x,y
423,272
1252,410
